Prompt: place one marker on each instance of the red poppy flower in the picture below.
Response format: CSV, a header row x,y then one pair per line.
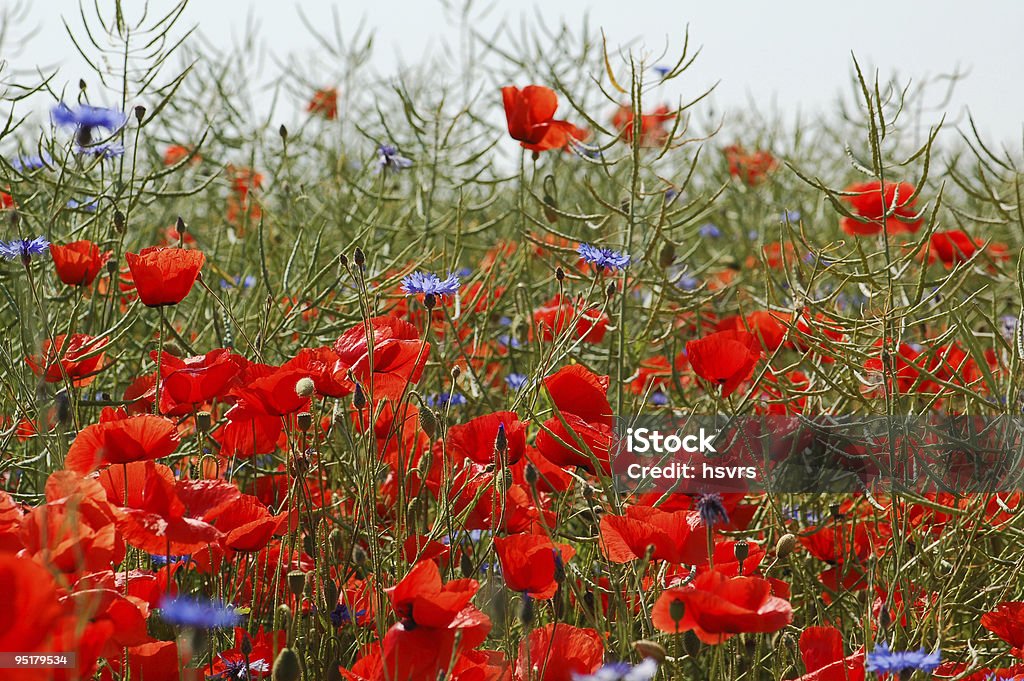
x,y
118,438
751,168
247,524
263,648
871,202
952,247
577,390
248,432
558,652
903,365
398,356
29,602
164,276
821,649
189,382
677,537
78,357
532,564
6,201
475,439
726,358
74,531
716,607
652,126
437,623
176,153
155,661
318,364
530,114
271,390
1007,622
79,262
325,103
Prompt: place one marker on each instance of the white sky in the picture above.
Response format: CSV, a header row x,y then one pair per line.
x,y
794,54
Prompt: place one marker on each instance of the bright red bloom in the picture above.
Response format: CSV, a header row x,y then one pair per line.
x,y
318,364
437,622
78,357
264,647
530,114
677,537
903,365
716,607
164,276
726,358
29,602
475,439
270,390
821,649
953,247
871,202
189,382
398,356
1007,622
121,439
556,652
531,563
554,316
652,126
6,201
247,524
325,103
176,153
751,168
79,262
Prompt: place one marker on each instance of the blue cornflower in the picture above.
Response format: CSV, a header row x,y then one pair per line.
x,y
1007,326
688,283
24,248
86,118
430,284
162,560
189,612
238,282
603,257
33,162
341,615
790,216
661,70
103,149
390,161
446,399
659,399
516,381
709,230
671,194
621,671
711,509
89,203
234,669
509,341
883,660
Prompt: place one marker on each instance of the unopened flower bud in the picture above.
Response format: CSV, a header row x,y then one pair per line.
x,y
651,649
119,221
531,475
359,556
611,290
526,612
786,545
560,274
359,257
428,421
287,666
304,387
246,647
140,113
358,398
456,372
466,565
501,440
667,256
283,132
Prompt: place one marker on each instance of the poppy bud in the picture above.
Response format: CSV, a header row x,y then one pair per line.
x,y
560,274
501,440
343,259
428,421
786,545
304,421
359,556
111,266
611,290
336,538
203,421
526,613
466,565
531,475
650,649
283,132
284,613
667,256
63,406
358,398
359,257
246,647
119,220
536,156
330,593
181,227
676,610
287,666
140,113
429,301
296,582
81,84
550,208
456,372
304,387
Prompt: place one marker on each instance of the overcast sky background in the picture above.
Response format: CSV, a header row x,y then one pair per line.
x,y
795,54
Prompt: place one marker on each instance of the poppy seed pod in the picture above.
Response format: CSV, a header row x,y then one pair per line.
x,y
676,610
296,582
203,421
786,545
287,666
304,421
650,649
304,387
741,550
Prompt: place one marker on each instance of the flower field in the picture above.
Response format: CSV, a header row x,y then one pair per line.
x,y
346,398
